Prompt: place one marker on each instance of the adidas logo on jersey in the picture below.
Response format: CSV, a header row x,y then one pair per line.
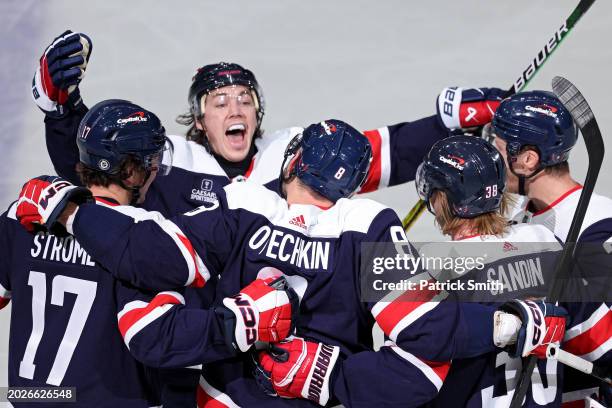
x,y
299,221
509,247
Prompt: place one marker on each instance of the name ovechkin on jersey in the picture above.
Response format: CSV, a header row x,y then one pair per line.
x,y
59,249
286,247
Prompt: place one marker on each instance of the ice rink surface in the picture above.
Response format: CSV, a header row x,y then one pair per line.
x,y
369,63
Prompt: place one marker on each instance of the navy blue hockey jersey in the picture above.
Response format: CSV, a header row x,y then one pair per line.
x,y
246,233
63,321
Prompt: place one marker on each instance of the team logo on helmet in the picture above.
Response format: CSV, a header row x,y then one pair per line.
x,y
329,128
229,72
134,117
453,161
543,109
103,164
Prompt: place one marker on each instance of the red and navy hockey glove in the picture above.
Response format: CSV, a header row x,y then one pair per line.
x,y
60,69
43,199
464,108
265,310
539,325
296,368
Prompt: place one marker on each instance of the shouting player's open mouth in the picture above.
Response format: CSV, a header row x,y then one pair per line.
x,y
235,134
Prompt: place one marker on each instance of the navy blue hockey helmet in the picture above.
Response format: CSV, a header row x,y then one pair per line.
x,y
539,119
334,158
471,172
214,76
114,129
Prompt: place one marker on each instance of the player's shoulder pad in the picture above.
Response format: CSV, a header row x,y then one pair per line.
x,y
194,157
600,207
255,198
530,233
357,215
270,152
279,137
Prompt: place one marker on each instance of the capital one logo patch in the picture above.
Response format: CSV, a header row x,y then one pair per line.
x,y
134,117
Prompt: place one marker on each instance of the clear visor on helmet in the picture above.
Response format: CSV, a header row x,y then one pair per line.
x,y
488,133
421,183
137,144
290,152
423,186
221,98
160,161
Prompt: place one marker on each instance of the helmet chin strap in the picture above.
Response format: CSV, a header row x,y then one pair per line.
x,y
523,177
282,179
135,190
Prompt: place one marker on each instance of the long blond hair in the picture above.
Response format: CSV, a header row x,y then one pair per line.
x,y
492,223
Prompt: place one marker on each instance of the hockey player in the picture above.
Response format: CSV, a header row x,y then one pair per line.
x,y
314,237
63,323
225,142
535,134
111,143
462,180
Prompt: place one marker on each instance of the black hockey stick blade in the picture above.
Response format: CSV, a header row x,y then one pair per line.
x,y
571,97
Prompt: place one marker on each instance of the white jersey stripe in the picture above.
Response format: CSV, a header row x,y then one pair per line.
x,y
423,367
144,322
599,351
215,394
411,318
130,328
597,315
194,262
385,157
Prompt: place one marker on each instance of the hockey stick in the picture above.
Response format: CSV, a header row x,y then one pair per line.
x,y
571,97
578,363
522,81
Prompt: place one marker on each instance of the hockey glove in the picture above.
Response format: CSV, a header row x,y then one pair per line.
x,y
60,69
464,108
265,310
296,368
527,327
43,199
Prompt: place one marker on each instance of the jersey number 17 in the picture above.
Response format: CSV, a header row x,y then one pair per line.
x,y
85,292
